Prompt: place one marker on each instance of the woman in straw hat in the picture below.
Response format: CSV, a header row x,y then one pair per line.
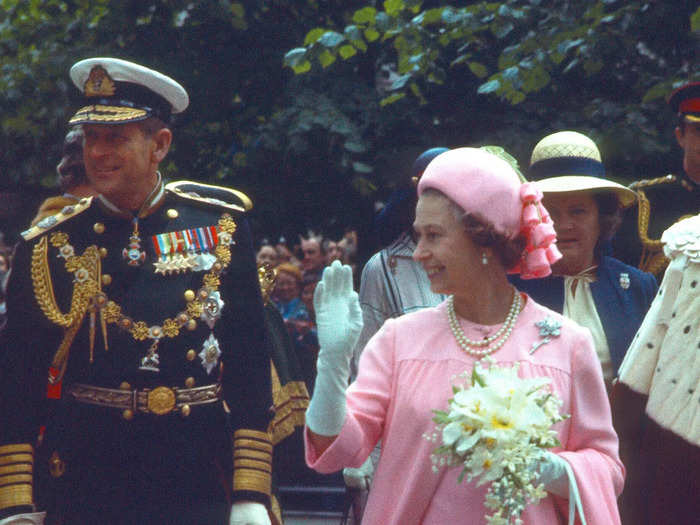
x,y
474,221
587,285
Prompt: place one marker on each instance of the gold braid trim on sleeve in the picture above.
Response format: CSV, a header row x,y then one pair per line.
x,y
252,452
16,474
290,402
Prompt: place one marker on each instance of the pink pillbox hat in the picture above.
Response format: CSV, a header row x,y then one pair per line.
x,y
480,183
488,187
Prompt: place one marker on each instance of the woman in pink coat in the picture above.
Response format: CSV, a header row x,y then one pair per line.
x,y
475,221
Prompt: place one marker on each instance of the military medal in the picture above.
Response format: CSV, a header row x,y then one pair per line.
x,y
133,254
210,353
180,251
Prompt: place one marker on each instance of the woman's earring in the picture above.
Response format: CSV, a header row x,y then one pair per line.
x,y
484,258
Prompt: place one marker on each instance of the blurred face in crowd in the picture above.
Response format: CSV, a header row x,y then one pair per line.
x,y
283,253
307,296
444,249
286,287
121,161
576,221
334,252
313,257
4,266
688,138
267,255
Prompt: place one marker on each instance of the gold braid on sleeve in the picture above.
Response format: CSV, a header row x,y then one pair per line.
x,y
16,475
252,461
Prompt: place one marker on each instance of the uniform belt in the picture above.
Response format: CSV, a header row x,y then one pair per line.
x,y
160,400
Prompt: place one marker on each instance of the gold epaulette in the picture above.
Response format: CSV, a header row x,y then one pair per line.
x,y
47,223
208,194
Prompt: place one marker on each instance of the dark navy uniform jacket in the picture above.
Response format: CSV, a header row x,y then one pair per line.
x,y
621,310
95,464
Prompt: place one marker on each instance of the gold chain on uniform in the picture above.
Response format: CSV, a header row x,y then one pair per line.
x,y
86,291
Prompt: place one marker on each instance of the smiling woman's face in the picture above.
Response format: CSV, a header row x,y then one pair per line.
x,y
576,221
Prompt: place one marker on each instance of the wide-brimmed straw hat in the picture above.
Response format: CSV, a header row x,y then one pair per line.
x,y
569,161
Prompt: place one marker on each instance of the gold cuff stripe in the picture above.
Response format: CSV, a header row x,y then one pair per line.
x,y
15,458
253,445
13,468
253,454
6,481
251,434
252,480
16,449
252,464
15,496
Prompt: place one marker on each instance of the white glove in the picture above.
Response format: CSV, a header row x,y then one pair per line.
x,y
552,474
359,478
29,518
339,323
249,513
558,478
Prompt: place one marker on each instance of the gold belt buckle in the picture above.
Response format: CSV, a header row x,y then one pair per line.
x,y
161,400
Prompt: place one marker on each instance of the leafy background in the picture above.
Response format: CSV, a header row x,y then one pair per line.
x,y
316,108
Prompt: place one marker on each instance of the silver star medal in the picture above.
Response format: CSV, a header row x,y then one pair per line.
x,y
212,309
210,353
549,328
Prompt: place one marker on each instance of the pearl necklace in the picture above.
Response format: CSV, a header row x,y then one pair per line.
x,y
499,338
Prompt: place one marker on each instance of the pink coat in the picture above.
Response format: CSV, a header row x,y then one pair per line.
x,y
405,373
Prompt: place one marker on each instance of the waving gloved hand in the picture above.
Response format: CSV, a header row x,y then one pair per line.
x,y
339,323
249,513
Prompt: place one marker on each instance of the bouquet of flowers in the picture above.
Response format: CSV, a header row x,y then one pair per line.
x,y
497,428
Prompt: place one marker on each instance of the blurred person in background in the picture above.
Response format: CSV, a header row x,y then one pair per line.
x,y
72,180
287,291
267,255
314,258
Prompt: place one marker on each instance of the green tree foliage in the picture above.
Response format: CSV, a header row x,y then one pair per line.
x,y
381,82
604,67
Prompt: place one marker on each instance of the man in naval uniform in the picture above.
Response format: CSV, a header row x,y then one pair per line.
x,y
143,307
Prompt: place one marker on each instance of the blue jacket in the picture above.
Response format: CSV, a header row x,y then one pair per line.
x,y
621,310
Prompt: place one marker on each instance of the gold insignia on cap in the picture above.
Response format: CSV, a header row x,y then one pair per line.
x,y
99,83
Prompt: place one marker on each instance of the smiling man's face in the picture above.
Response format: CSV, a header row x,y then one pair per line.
x,y
119,161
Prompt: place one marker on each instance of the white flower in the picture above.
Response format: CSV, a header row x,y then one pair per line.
x,y
496,428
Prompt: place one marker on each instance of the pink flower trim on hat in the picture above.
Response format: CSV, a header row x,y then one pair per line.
x,y
537,228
